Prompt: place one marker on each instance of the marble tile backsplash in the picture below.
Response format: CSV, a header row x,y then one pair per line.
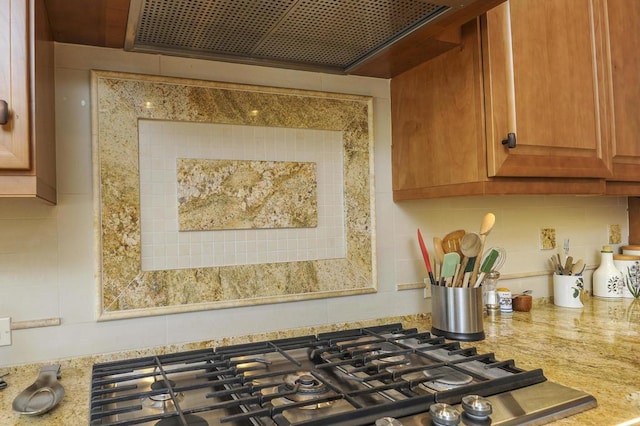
x,y
121,101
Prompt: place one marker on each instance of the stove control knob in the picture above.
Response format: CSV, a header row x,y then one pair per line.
x,y
444,415
388,421
476,406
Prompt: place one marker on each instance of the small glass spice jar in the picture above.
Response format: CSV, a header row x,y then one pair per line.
x,y
491,299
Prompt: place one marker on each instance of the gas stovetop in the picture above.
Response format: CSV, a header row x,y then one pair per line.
x,y
384,375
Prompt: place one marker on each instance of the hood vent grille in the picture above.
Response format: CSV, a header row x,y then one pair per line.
x,y
319,35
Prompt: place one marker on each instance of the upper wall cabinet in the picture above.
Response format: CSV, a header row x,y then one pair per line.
x,y
624,18
27,127
520,108
544,85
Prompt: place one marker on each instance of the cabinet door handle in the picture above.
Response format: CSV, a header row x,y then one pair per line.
x,y
4,112
510,141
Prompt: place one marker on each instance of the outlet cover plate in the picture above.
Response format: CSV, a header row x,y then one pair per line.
x,y
5,331
427,288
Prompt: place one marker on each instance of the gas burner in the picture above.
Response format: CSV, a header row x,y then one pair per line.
x,y
388,348
162,400
162,385
190,419
445,378
305,384
301,386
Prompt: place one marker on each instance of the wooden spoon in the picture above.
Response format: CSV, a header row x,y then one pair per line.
x,y
568,266
451,241
577,267
470,246
485,227
437,247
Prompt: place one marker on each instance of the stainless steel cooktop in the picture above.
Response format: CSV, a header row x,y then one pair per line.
x,y
385,375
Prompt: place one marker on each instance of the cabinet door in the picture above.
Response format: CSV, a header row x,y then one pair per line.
x,y
545,82
14,84
624,19
437,122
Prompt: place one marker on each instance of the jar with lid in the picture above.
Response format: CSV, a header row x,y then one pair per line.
x,y
607,279
491,299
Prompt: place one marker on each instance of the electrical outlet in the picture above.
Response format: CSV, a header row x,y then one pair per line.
x,y
5,331
548,238
615,234
427,288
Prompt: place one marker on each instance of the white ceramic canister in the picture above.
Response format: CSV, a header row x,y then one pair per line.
x,y
607,279
630,267
567,290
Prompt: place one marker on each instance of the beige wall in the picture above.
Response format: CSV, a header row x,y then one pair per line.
x,y
47,255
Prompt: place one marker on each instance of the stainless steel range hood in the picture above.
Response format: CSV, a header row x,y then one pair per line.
x,y
334,36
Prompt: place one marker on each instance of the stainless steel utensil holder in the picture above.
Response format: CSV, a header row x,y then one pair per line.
x,y
457,313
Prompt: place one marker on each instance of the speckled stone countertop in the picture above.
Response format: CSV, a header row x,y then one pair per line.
x,y
595,349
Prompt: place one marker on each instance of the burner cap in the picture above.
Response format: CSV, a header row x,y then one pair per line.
x,y
388,348
304,383
445,378
455,378
448,376
190,418
164,395
162,384
307,389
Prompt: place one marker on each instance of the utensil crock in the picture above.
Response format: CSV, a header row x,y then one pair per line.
x,y
457,312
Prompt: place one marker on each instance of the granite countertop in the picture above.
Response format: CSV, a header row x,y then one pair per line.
x,y
595,349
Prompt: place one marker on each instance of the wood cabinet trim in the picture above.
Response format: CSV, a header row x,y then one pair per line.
x,y
14,152
27,141
507,186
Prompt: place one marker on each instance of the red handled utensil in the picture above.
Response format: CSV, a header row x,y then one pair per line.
x,y
425,256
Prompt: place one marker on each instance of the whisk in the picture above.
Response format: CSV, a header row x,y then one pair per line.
x,y
502,256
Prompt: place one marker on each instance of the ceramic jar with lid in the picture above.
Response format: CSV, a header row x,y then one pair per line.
x,y
629,265
608,281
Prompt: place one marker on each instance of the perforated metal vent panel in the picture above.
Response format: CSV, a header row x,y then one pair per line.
x,y
322,33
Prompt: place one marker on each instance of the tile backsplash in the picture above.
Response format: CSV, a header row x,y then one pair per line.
x,y
164,247
47,254
122,100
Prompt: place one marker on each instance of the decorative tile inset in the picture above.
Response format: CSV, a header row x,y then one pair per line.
x,y
548,238
120,102
615,234
239,194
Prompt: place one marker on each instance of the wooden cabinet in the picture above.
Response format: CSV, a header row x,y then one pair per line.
x,y
545,82
534,68
624,42
27,139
